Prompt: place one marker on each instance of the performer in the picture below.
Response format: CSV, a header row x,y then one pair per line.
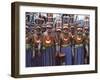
x,y
86,35
59,56
72,34
37,43
72,31
79,47
28,49
48,50
66,45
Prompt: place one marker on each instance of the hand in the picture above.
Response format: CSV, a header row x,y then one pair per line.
x,y
33,55
43,48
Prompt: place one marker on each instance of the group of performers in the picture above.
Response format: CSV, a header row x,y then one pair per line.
x,y
64,45
57,48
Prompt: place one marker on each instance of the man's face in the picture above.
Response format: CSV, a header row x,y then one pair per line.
x,y
38,31
58,31
79,31
65,30
86,31
43,29
49,30
72,30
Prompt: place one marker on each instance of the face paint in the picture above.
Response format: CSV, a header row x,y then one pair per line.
x,y
86,32
43,29
38,31
79,33
58,32
65,31
49,30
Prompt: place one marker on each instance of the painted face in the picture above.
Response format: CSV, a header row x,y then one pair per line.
x,y
66,30
79,31
38,31
86,31
58,31
43,29
72,30
49,30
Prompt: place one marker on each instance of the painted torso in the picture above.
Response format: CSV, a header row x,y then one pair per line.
x,y
65,39
79,39
48,40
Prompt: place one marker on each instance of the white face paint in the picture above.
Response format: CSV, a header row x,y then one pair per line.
x,y
79,31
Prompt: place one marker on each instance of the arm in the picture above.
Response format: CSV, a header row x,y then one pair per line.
x,y
33,47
